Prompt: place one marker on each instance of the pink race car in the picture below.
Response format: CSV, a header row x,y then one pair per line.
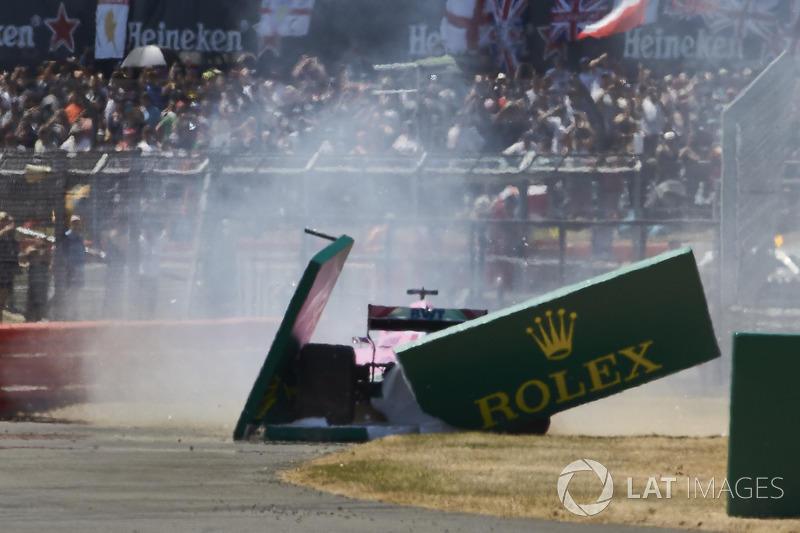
x,y
398,325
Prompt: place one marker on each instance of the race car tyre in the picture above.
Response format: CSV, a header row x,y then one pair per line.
x,y
326,378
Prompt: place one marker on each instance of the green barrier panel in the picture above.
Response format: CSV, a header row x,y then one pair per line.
x,y
763,470
271,399
512,367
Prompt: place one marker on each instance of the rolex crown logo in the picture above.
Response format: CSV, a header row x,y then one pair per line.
x,y
557,342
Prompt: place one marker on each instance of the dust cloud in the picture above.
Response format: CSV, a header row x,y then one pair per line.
x,y
407,234
161,381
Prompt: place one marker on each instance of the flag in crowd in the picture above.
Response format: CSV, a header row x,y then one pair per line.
x,y
743,18
112,17
471,25
508,35
625,16
568,17
282,18
466,26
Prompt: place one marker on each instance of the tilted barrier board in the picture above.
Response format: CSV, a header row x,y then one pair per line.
x,y
578,344
272,397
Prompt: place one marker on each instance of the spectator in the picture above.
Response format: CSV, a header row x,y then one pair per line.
x,y
149,270
523,145
26,135
74,107
128,141
75,258
46,141
667,158
9,258
579,136
80,139
557,77
165,126
505,240
407,143
464,137
652,121
96,95
623,129
151,113
509,123
148,143
173,90
58,122
696,158
11,118
37,260
588,75
115,122
151,83
555,121
114,241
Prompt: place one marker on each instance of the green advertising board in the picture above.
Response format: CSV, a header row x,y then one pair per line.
x,y
272,397
763,473
581,343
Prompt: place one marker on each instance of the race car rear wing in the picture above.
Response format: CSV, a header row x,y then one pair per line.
x,y
395,318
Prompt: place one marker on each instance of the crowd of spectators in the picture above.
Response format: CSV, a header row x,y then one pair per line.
x,y
672,120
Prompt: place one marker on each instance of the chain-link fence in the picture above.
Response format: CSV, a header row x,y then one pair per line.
x,y
222,236
760,244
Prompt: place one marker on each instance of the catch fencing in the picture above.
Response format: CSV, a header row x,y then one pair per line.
x,y
231,226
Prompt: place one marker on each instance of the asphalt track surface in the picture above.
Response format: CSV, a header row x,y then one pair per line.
x,y
84,478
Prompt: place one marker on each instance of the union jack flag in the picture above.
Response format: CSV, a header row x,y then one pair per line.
x,y
508,34
551,46
687,9
568,17
745,17
792,33
787,38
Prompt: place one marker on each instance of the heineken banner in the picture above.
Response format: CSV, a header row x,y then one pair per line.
x,y
34,32
203,27
505,34
512,367
693,34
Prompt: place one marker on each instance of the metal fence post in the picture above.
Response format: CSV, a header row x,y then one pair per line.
x,y
59,257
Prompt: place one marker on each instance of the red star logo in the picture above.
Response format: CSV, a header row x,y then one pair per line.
x,y
62,28
552,46
269,42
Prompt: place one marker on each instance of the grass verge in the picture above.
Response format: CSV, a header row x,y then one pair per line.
x,y
516,476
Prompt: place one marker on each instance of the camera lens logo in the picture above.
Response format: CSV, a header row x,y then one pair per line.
x,y
585,509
